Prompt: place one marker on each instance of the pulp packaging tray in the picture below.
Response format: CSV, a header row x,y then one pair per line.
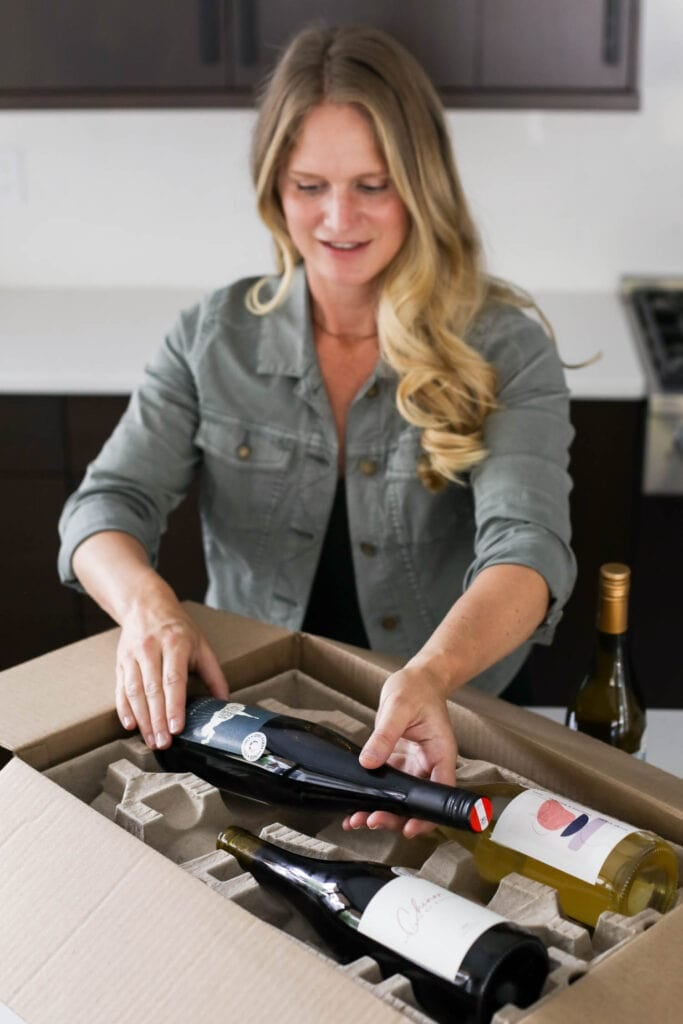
x,y
180,816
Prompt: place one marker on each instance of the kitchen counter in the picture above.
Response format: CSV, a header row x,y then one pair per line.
x,y
97,340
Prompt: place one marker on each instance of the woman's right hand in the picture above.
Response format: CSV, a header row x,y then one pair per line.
x,y
159,642
159,645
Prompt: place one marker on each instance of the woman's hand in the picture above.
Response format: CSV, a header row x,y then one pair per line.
x,y
159,642
159,645
413,733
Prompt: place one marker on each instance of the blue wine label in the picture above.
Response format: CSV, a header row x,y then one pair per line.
x,y
232,727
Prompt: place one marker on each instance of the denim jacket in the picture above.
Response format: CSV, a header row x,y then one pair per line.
x,y
240,399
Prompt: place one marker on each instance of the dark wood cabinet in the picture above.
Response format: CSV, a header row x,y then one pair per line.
x,y
443,34
555,45
80,46
605,506
46,443
482,53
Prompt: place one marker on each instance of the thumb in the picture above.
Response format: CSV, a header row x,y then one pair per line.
x,y
387,732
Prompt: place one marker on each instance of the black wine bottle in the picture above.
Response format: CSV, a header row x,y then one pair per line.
x,y
280,759
609,704
463,960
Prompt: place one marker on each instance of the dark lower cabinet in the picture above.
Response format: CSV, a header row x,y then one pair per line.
x,y
46,443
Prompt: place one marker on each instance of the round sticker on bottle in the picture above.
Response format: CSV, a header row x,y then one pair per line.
x,y
253,746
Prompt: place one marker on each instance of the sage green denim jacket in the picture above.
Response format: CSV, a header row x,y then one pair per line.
x,y
239,399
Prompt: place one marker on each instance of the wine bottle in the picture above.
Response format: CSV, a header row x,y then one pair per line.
x,y
594,862
464,961
280,759
608,704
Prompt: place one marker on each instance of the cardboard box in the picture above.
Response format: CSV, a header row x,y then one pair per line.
x,y
98,926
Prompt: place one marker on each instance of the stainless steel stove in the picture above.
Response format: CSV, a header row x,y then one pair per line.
x,y
655,308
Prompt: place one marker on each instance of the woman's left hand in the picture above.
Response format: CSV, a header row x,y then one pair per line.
x,y
413,733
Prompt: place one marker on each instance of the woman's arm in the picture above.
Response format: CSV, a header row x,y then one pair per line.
x,y
500,611
159,642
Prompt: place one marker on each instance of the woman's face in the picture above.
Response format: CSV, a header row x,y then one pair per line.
x,y
342,209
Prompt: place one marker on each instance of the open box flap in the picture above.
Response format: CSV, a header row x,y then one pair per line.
x,y
98,927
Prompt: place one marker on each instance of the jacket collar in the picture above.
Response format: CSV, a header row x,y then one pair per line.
x,y
286,345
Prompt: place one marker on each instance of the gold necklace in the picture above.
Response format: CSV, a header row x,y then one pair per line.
x,y
344,337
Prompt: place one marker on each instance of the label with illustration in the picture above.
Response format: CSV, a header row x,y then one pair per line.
x,y
232,727
560,833
426,923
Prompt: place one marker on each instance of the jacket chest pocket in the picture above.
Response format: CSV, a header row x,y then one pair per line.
x,y
419,516
245,472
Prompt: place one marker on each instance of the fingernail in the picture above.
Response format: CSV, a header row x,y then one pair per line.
x,y
149,740
175,725
128,722
162,739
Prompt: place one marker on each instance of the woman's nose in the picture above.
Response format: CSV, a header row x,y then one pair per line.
x,y
339,210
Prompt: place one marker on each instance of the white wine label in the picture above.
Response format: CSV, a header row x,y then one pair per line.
x,y
560,833
426,923
235,728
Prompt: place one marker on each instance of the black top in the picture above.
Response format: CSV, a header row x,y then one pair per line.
x,y
333,609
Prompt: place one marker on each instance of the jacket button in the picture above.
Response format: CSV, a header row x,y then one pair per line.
x,y
389,622
372,391
368,467
244,451
368,549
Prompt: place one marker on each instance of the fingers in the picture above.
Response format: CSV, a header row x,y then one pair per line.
x,y
209,669
391,722
151,678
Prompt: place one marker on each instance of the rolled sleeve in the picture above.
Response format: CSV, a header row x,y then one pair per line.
x,y
146,467
521,490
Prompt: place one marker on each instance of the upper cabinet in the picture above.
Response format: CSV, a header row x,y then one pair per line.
x,y
152,53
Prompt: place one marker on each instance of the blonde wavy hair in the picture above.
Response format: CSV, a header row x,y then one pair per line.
x,y
435,286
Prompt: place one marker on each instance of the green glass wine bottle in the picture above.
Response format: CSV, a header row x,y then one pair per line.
x,y
463,960
608,704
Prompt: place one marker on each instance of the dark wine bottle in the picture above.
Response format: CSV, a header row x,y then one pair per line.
x,y
463,960
608,704
280,759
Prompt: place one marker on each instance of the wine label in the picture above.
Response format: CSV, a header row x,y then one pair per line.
x,y
560,833
425,923
232,727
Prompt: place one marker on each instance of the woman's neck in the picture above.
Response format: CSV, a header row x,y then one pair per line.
x,y
345,324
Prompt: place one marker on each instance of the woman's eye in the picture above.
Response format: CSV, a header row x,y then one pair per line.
x,y
372,189
308,189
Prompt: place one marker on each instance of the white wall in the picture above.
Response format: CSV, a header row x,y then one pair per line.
x,y
565,200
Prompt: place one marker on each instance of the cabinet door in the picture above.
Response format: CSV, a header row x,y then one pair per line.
x,y
441,33
557,44
112,44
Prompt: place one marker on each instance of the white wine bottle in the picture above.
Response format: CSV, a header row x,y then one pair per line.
x,y
594,862
281,759
609,704
464,961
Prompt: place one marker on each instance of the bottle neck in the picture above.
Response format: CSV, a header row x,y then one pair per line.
x,y
613,599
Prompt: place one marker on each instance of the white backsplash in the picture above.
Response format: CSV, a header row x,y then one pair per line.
x,y
565,200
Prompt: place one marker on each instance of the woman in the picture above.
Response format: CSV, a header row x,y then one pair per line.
x,y
378,417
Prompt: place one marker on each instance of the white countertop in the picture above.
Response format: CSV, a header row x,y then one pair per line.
x,y
97,340
664,731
